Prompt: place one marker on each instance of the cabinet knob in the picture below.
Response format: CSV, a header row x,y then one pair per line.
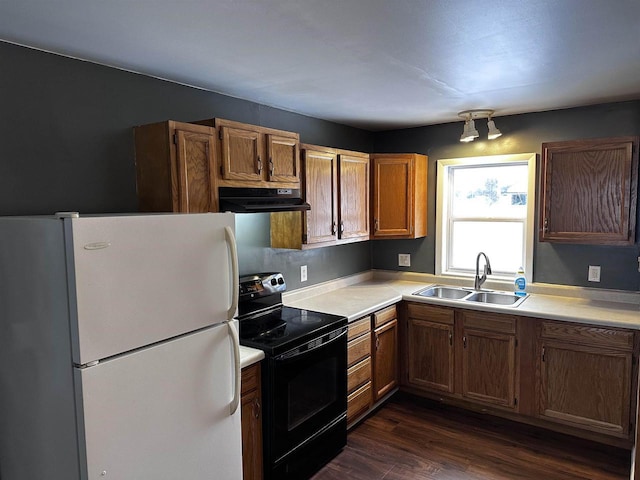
x,y
333,228
259,166
341,227
271,167
377,342
450,339
375,224
256,408
464,342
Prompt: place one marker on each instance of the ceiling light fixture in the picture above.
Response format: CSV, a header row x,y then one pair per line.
x,y
470,133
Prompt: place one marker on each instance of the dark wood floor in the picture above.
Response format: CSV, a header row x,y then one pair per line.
x,y
410,438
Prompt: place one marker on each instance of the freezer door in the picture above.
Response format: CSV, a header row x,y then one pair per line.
x,y
140,279
163,412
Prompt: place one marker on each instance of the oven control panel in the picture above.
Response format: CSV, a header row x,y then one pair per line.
x,y
261,284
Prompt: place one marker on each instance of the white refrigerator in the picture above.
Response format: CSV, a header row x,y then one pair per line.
x,y
119,355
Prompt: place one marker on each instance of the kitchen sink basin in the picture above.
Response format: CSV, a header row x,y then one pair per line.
x,y
464,295
496,298
450,293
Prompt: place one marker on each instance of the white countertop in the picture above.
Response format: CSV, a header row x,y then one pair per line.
x,y
249,356
363,294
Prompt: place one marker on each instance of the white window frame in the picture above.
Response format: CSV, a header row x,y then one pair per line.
x,y
444,174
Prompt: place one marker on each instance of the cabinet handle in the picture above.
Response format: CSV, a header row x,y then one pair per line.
x,y
546,225
450,339
341,227
271,167
375,224
543,354
333,228
259,165
377,342
256,408
464,342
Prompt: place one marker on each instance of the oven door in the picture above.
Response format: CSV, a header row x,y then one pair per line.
x,y
309,391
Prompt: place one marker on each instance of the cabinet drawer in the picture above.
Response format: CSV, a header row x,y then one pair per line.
x,y
588,335
359,374
489,321
383,316
431,313
250,379
358,327
358,349
358,402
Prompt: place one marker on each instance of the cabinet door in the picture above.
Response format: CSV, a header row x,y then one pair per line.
x,y
385,359
241,154
251,424
589,190
489,367
354,197
320,190
430,355
392,196
195,189
585,386
283,156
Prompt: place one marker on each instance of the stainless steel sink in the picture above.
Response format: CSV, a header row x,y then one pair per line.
x,y
439,291
496,298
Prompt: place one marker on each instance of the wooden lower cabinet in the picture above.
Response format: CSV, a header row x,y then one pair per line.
x,y
489,358
358,368
384,351
574,378
251,404
585,375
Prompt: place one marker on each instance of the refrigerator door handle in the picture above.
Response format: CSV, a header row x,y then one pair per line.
x,y
235,343
235,275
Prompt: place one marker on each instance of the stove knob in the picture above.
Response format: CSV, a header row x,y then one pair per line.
x,y
274,282
280,281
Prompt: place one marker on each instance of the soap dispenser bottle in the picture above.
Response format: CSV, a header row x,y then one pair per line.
x,y
520,283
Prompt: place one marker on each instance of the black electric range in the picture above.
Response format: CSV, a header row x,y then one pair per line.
x,y
265,324
304,378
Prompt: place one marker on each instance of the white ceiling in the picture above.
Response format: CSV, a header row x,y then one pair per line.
x,y
374,64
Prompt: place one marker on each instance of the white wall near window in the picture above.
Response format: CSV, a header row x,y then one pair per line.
x,y
486,204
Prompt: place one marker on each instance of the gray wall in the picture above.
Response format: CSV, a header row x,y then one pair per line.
x,y
67,144
553,263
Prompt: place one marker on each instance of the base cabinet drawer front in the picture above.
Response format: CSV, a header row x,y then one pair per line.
x,y
431,313
359,327
359,374
585,386
251,415
489,321
358,402
588,335
358,349
489,367
383,316
430,355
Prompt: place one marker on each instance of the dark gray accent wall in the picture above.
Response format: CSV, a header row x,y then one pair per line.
x,y
67,144
553,263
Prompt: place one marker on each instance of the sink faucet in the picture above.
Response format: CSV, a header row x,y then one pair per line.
x,y
487,271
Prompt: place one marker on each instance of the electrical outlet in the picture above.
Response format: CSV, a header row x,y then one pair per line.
x,y
404,260
303,273
594,273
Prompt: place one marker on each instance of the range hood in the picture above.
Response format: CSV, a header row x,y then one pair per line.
x,y
257,200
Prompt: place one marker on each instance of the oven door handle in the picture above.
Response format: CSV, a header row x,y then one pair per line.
x,y
293,354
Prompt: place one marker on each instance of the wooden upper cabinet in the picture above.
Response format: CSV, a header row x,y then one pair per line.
x,y
589,191
175,168
254,156
241,157
320,186
353,180
399,196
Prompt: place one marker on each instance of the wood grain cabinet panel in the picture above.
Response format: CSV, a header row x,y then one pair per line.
x,y
430,355
399,196
353,181
283,155
589,191
585,377
175,168
251,414
242,157
385,358
320,187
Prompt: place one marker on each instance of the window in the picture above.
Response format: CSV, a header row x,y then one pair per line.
x,y
485,204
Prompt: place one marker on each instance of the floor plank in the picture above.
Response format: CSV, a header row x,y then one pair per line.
x,y
411,438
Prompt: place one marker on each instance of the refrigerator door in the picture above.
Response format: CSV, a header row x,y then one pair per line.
x,y
136,280
162,412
